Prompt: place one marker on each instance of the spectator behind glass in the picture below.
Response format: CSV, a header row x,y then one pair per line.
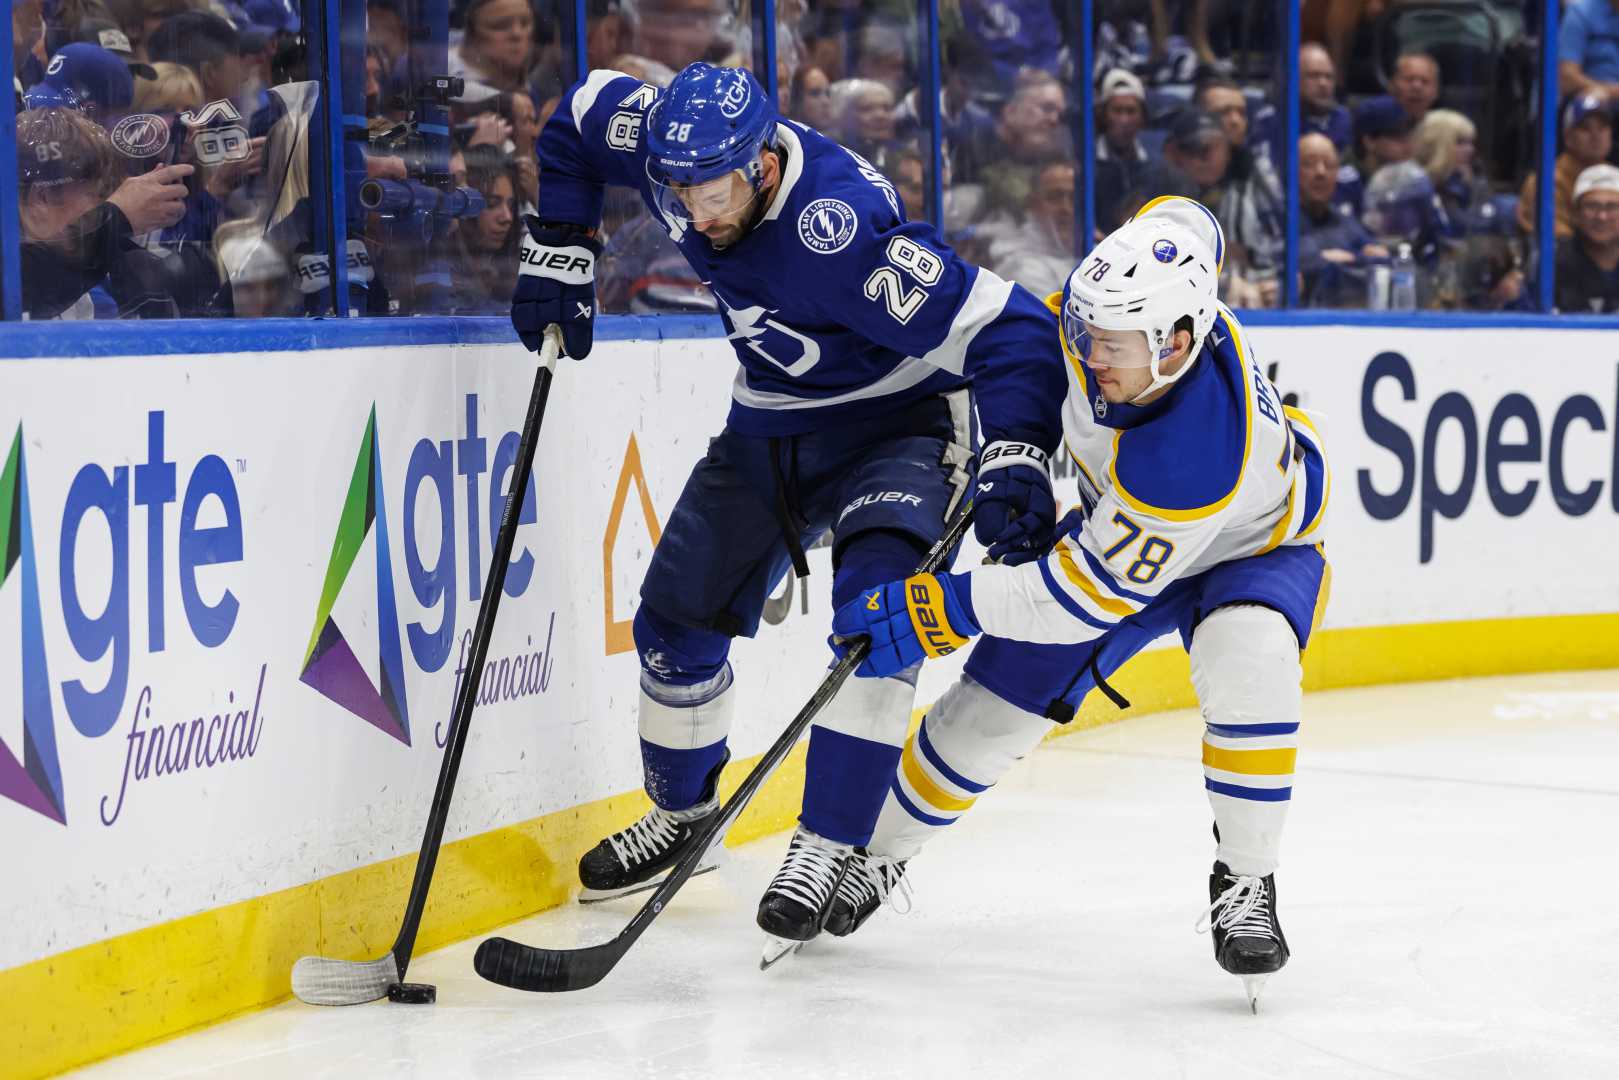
x,y
1012,35
1588,262
1588,49
1587,123
1446,146
174,89
1402,206
1040,255
261,282
139,19
1121,163
1383,137
1223,99
206,44
497,47
1200,156
810,100
1415,84
1028,132
863,115
676,32
27,32
1334,247
1319,110
87,78
79,222
487,245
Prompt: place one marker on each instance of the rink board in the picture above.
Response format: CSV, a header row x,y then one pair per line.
x,y
238,593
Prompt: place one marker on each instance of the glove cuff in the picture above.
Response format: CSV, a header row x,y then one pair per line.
x,y
1004,453
570,263
931,604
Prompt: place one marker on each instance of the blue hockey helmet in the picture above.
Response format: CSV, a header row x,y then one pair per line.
x,y
710,122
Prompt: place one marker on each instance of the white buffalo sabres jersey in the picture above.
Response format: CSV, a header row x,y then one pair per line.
x,y
1217,469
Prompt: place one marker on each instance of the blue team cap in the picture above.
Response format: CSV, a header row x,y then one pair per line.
x,y
84,76
1578,108
1382,116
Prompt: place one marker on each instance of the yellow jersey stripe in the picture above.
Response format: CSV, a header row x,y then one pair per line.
x,y
1326,468
1118,608
923,784
1278,534
1251,762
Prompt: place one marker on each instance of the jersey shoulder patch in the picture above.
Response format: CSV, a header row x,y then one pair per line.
x,y
1188,462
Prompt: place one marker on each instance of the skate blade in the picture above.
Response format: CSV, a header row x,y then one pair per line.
x,y
1252,985
597,896
777,949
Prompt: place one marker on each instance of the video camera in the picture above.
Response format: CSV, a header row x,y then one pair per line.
x,y
425,194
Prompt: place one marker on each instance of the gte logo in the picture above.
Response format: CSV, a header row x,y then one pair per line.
x,y
97,499
36,780
330,665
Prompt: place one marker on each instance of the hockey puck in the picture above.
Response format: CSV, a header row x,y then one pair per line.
x,y
413,993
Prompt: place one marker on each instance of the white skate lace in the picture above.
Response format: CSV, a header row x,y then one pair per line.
x,y
646,839
811,870
879,876
1242,910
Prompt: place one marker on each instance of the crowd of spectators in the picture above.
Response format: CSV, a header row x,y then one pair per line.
x,y
167,153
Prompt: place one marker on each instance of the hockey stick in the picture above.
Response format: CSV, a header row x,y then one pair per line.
x,y
322,981
524,967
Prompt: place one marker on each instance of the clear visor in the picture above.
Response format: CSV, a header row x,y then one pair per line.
x,y
1104,348
712,200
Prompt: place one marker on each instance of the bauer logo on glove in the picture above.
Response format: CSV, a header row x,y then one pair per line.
x,y
906,621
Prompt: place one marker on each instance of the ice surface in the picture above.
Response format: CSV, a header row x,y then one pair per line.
x,y
1448,888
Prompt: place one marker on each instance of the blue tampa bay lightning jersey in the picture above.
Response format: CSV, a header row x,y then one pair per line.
x,y
839,309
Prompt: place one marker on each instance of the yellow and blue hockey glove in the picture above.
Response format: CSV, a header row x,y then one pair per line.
x,y
922,616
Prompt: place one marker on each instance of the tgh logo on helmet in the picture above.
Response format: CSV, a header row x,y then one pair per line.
x,y
735,99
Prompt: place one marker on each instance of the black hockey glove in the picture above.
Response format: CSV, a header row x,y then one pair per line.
x,y
1014,513
556,283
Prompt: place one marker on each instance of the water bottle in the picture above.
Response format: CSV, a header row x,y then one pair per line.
x,y
1377,287
1403,281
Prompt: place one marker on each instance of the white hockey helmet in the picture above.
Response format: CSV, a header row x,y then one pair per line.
x,y
1194,215
1147,275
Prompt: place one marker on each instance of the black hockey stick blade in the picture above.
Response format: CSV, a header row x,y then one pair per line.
x,y
320,980
525,967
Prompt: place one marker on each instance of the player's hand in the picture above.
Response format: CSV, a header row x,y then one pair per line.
x,y
906,621
1013,511
556,283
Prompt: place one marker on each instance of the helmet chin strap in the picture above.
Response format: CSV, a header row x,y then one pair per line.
x,y
1160,380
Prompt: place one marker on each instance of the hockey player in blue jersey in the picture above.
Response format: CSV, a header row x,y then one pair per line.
x,y
1203,500
859,336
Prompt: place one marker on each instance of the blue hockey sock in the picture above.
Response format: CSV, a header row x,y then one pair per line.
x,y
845,781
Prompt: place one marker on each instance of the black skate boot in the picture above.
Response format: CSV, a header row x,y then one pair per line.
x,y
637,858
867,884
1248,939
793,909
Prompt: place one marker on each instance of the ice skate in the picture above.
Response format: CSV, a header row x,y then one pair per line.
x,y
1248,939
638,858
795,906
869,882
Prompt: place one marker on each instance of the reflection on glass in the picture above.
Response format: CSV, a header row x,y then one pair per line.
x,y
163,158
1008,117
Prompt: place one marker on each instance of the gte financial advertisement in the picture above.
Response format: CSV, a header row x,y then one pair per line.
x,y
237,592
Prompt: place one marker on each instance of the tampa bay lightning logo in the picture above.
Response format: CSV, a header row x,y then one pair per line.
x,y
735,99
827,225
1164,251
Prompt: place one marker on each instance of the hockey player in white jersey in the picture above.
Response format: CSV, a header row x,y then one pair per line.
x,y
1203,502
